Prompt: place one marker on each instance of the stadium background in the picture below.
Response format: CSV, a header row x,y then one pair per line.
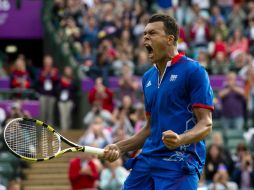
x,y
103,38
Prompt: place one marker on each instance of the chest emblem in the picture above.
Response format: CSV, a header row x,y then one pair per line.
x,y
173,78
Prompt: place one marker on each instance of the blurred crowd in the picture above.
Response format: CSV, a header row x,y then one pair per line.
x,y
105,37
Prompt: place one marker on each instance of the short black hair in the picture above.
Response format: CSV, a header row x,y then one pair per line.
x,y
170,24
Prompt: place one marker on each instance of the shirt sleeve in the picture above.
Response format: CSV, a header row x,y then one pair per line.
x,y
200,89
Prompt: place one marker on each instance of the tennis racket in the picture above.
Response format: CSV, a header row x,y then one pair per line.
x,y
34,140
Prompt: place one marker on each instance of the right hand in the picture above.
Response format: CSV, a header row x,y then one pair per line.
x,y
111,152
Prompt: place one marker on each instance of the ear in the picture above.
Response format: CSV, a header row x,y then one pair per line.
x,y
171,39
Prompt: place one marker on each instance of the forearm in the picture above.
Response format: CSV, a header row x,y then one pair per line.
x,y
224,92
197,133
135,142
239,91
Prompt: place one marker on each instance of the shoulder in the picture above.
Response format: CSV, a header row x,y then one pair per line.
x,y
149,72
193,67
191,64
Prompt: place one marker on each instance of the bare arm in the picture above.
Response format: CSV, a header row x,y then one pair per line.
x,y
201,129
113,151
136,141
239,90
197,133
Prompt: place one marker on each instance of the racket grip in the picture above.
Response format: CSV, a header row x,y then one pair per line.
x,y
94,151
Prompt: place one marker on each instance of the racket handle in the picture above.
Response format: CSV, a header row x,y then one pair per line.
x,y
93,150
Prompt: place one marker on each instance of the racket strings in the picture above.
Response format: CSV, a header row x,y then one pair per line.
x,y
31,140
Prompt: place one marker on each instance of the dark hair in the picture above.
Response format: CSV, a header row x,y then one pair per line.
x,y
170,25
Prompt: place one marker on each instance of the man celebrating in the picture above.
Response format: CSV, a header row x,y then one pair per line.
x,y
178,102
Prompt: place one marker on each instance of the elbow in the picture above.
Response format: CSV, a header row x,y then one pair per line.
x,y
209,127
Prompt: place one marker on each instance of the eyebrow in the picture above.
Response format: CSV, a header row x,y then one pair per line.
x,y
149,31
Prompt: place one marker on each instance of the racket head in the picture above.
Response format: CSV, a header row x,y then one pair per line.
x,y
31,139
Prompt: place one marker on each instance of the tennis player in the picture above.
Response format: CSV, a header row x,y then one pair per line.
x,y
178,102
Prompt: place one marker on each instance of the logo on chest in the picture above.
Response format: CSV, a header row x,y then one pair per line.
x,y
149,83
173,78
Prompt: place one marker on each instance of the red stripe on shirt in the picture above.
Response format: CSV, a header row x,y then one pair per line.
x,y
177,57
148,113
203,106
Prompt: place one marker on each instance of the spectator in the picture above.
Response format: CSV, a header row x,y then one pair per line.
x,y
119,135
86,53
186,12
250,34
102,67
16,111
203,59
241,150
218,46
236,18
232,98
58,11
199,34
244,175
85,68
84,172
247,74
220,28
120,62
128,85
125,44
66,94
48,81
113,176
217,139
14,185
238,60
237,42
138,117
126,105
221,180
101,95
142,64
95,112
123,122
220,64
2,118
20,78
90,31
216,15
71,30
96,135
213,161
226,7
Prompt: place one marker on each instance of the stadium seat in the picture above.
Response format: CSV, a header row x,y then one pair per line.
x,y
4,181
7,157
232,144
6,170
233,134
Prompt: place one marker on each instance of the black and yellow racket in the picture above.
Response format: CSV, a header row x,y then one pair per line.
x,y
34,140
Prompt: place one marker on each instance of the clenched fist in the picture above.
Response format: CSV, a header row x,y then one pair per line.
x,y
171,139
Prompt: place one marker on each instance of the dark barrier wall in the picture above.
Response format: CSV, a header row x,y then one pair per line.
x,y
20,19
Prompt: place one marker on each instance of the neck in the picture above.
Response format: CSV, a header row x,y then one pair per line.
x,y
161,65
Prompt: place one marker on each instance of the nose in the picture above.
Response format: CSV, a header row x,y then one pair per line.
x,y
146,37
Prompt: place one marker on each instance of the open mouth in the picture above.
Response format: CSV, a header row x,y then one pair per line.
x,y
149,50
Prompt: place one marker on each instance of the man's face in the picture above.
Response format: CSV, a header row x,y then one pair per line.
x,y
157,41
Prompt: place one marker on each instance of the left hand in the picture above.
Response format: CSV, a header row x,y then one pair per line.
x,y
171,139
